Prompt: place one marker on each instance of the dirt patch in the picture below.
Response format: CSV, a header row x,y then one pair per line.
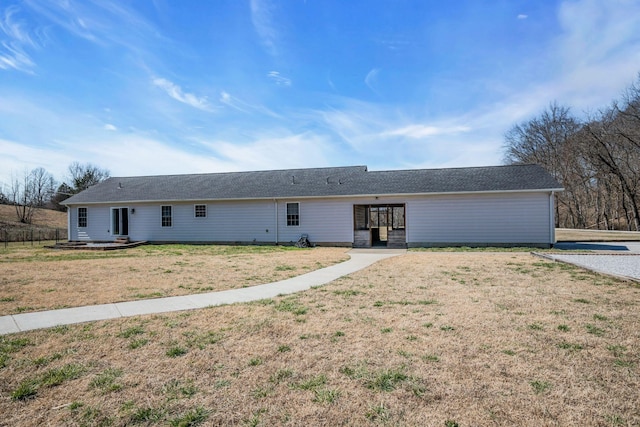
x,y
422,339
37,279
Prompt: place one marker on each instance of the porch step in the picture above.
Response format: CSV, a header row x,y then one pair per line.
x,y
122,240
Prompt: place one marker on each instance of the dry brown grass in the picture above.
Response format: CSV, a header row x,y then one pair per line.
x,y
421,339
41,217
41,279
571,235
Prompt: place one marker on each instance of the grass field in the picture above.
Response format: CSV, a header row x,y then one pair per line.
x,y
571,235
35,278
423,339
41,218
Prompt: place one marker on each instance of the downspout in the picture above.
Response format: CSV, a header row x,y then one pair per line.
x,y
552,219
275,202
69,223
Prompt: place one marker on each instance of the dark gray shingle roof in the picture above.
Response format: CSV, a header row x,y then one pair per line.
x,y
317,182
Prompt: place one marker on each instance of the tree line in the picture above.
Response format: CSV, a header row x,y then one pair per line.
x,y
38,188
596,159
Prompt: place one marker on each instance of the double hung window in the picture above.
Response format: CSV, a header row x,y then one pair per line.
x,y
82,217
293,214
166,216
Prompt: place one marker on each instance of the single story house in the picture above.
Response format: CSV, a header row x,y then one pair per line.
x,y
342,206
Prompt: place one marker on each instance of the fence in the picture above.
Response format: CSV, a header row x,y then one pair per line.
x,y
32,235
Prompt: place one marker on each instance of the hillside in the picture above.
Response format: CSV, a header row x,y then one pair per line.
x,y
41,218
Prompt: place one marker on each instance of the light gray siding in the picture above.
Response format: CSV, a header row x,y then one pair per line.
x,y
508,218
98,224
250,221
480,218
324,221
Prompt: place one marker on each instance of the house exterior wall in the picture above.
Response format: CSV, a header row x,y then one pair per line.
x,y
250,221
328,221
432,220
98,223
510,218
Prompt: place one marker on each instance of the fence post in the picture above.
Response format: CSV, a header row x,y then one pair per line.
x,y
32,237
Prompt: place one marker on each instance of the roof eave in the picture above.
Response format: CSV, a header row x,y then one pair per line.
x,y
337,196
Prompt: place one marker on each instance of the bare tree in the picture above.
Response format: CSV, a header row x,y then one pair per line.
x,y
4,200
83,176
547,140
31,190
597,161
611,146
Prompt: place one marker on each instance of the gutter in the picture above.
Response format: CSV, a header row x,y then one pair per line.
x,y
552,219
230,199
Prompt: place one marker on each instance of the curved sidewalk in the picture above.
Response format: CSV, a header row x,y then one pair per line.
x,y
45,319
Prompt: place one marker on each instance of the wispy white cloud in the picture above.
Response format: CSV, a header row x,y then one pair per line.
x,y
15,39
14,29
418,131
230,101
598,51
75,17
16,157
371,79
121,154
176,92
101,22
274,149
279,79
382,135
262,17
522,16
237,104
110,127
12,56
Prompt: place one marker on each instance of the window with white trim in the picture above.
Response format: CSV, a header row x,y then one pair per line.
x,y
166,216
293,214
200,211
82,217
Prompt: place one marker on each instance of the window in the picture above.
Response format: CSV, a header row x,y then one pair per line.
x,y
398,217
166,216
201,211
82,217
391,217
293,214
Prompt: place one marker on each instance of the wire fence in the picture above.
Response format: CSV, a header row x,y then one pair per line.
x,y
31,235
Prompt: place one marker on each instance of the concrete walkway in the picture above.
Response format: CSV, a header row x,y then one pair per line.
x,y
45,319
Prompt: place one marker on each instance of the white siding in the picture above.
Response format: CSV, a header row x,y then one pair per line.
x,y
324,221
98,224
481,218
440,219
225,222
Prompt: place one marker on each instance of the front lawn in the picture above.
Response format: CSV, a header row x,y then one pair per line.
x,y
34,279
422,339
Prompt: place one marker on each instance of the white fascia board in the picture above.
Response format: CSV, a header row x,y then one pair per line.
x,y
544,190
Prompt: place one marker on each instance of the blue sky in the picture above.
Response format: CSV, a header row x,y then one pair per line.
x,y
162,87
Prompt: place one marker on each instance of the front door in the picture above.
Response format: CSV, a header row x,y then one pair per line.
x,y
120,221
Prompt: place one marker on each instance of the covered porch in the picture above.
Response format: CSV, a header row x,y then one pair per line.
x,y
379,226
